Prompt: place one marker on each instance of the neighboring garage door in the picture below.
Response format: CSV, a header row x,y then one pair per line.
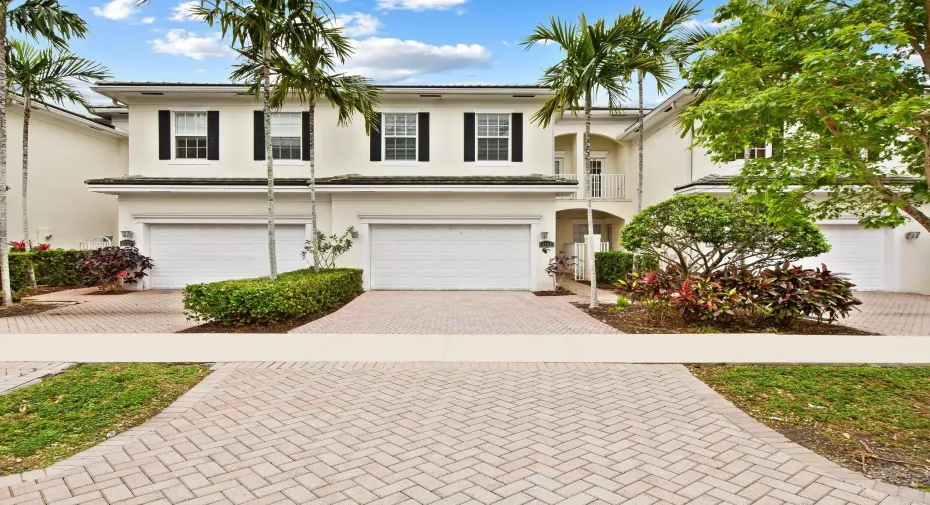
x,y
857,252
459,257
190,253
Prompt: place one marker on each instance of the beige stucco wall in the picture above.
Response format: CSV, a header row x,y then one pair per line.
x,y
343,150
62,155
908,260
337,212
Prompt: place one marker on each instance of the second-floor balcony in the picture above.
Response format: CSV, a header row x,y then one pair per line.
x,y
603,187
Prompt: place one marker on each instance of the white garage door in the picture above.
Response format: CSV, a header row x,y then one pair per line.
x,y
190,253
456,257
857,252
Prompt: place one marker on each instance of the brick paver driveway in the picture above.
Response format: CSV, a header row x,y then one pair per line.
x,y
891,313
458,312
143,312
357,433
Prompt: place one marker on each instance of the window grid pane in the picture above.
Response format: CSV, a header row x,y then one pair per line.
x,y
399,148
285,148
493,132
400,125
190,148
190,123
493,149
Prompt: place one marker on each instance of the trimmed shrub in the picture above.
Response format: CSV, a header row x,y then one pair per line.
x,y
54,267
111,267
262,301
612,266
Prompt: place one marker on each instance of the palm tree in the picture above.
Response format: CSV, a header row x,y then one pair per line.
x,y
261,29
590,63
36,18
39,76
308,77
664,42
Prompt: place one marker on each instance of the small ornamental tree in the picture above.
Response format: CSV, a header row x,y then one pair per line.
x,y
325,249
702,234
560,265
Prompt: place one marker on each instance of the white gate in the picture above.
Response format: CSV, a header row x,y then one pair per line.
x,y
581,258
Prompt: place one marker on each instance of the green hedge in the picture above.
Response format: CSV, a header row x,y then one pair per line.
x,y
261,301
612,266
54,267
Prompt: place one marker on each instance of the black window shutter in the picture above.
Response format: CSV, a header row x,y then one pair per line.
x,y
305,136
259,130
516,131
164,134
213,134
374,139
469,136
423,133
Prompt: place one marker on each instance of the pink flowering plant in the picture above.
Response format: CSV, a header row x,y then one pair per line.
x,y
111,267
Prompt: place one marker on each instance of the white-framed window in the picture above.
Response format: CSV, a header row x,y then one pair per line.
x,y
580,230
400,136
285,135
190,135
558,163
493,134
751,153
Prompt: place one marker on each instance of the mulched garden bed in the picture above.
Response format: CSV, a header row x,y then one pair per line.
x,y
639,319
44,290
27,308
873,420
282,327
559,292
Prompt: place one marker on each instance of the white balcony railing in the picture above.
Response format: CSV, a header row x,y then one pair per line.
x,y
603,187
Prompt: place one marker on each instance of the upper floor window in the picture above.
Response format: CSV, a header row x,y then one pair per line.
x,y
752,153
285,135
493,137
400,137
190,135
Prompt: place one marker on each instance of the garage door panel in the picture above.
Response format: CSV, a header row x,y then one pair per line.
x,y
449,257
192,253
857,253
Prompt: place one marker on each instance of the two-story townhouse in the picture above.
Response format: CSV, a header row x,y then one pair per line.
x,y
455,190
65,149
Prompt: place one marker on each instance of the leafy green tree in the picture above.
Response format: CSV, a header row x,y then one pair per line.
x,y
837,88
45,19
40,76
262,30
590,63
307,76
702,234
661,44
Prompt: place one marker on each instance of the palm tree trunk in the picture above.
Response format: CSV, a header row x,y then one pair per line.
x,y
27,113
266,110
592,275
4,248
311,154
639,186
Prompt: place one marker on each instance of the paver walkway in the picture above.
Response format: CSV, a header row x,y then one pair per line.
x,y
152,311
891,313
18,374
366,433
458,312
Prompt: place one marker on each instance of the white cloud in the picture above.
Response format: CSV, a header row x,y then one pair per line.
x,y
185,43
147,21
419,5
182,11
358,24
392,60
506,43
116,9
706,23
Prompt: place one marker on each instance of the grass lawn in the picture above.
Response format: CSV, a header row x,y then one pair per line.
x,y
869,419
68,413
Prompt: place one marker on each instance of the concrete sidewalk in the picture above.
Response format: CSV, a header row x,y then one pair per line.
x,y
616,348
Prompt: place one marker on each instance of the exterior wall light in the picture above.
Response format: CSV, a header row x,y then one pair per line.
x,y
543,235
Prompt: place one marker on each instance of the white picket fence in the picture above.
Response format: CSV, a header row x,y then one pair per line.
x,y
581,258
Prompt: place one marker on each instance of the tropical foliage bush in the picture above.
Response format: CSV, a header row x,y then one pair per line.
x,y
702,234
560,266
262,300
612,266
110,267
781,294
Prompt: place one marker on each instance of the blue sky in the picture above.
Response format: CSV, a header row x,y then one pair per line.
x,y
397,41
